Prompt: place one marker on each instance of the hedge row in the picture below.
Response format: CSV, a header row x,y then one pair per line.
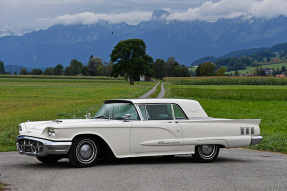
x,y
226,80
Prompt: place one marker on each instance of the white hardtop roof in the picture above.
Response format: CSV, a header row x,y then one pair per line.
x,y
191,108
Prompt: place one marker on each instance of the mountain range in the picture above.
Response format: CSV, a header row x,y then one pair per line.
x,y
187,41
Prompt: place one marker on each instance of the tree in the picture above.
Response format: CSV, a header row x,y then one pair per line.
x,y
58,70
157,68
221,71
268,59
108,68
75,67
169,66
2,68
49,71
205,69
94,65
236,73
85,71
36,71
185,72
130,57
259,71
23,71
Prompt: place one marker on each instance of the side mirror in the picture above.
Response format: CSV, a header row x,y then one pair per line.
x,y
88,116
126,117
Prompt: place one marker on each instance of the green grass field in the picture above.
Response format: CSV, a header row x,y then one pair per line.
x,y
273,64
37,98
267,103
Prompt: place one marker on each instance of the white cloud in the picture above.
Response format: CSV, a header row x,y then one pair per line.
x,y
269,8
212,11
87,18
44,13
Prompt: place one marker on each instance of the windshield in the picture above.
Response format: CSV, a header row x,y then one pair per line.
x,y
116,111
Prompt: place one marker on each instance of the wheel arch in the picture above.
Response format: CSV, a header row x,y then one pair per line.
x,y
105,150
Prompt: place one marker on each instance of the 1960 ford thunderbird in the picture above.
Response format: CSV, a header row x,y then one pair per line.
x,y
135,128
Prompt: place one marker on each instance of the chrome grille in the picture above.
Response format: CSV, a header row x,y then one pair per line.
x,y
29,147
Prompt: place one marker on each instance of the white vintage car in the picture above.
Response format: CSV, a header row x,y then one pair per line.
x,y
134,128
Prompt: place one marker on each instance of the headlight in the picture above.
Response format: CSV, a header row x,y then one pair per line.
x,y
20,129
51,132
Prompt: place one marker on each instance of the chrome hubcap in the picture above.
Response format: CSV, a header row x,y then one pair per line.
x,y
86,151
206,149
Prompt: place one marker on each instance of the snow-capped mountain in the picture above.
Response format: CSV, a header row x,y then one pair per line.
x,y
185,40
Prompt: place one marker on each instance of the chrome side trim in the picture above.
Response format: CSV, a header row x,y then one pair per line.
x,y
40,147
255,140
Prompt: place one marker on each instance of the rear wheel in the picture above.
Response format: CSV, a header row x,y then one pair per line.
x,y
206,153
83,152
49,158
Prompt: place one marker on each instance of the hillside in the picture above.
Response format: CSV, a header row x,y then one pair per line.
x,y
185,40
240,53
273,65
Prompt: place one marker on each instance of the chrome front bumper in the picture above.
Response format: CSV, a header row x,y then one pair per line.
x,y
255,140
40,147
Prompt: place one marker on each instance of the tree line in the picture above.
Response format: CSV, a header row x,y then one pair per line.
x,y
128,58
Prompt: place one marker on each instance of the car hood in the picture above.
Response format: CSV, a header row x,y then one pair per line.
x,y
41,125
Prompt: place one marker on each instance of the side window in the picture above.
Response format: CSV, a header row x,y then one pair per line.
x,y
159,112
178,113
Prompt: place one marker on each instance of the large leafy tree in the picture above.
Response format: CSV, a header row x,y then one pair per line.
x,y
74,69
58,70
130,57
95,66
36,71
205,69
23,71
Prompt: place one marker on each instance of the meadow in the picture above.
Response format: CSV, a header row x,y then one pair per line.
x,y
273,65
265,102
33,98
250,69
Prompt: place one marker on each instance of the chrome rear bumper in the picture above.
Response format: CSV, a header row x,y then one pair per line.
x,y
255,140
40,147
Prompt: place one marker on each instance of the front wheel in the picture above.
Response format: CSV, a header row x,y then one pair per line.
x,y
83,152
205,153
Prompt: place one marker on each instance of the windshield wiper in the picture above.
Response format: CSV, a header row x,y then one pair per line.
x,y
102,117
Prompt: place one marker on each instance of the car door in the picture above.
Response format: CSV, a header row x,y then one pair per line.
x,y
158,132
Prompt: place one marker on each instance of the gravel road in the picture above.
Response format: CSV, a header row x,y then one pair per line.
x,y
235,169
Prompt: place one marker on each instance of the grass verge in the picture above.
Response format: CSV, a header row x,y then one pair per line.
x,y
156,92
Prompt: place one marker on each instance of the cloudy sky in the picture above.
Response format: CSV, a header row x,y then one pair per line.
x,y
37,14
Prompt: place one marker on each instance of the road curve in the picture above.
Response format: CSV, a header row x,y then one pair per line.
x,y
235,169
146,95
